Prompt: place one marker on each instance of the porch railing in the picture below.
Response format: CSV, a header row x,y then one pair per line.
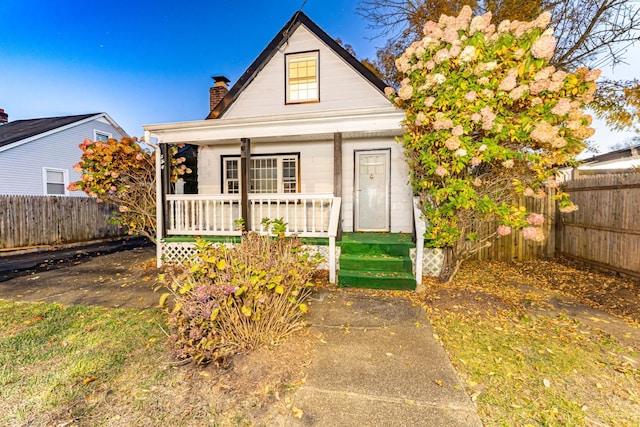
x,y
307,215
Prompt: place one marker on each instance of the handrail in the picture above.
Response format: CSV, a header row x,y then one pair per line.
x,y
421,228
334,222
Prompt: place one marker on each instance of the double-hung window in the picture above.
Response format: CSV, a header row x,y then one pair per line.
x,y
302,77
267,174
55,181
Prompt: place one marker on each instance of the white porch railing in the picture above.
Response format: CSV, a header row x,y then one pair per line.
x,y
307,215
203,214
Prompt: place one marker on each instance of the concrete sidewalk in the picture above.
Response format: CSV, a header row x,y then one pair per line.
x,y
378,365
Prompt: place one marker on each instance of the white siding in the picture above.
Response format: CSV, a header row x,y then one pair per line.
x,y
341,87
401,214
313,179
21,166
316,173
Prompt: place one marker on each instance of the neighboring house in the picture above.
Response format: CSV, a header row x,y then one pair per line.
x,y
37,155
306,134
618,161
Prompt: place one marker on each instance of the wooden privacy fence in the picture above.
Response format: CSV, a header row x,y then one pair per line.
x,y
513,247
46,220
605,230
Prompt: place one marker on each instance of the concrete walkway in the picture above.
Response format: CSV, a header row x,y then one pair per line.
x,y
378,365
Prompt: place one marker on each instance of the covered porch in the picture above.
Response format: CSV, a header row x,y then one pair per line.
x,y
320,206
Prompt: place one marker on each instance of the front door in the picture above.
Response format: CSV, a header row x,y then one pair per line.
x,y
372,190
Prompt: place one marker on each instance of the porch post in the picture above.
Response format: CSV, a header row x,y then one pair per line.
x,y
245,162
337,172
159,199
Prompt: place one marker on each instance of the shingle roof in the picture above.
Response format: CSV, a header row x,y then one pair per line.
x,y
23,129
298,18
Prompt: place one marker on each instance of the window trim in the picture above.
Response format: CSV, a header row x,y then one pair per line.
x,y
45,181
280,157
287,86
97,132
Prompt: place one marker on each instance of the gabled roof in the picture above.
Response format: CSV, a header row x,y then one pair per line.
x,y
613,155
24,130
298,18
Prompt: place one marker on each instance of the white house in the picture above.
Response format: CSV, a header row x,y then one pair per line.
x,y
37,155
306,134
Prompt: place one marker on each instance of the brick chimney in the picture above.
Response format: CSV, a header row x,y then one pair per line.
x,y
218,91
4,117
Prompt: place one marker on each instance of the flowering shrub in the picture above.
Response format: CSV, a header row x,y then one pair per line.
x,y
230,298
122,173
487,120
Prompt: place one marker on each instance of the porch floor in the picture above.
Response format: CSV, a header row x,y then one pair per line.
x,y
376,261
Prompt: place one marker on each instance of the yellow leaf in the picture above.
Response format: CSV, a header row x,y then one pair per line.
x,y
297,412
220,265
163,299
279,289
303,308
89,380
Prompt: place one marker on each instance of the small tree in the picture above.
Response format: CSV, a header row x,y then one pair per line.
x,y
487,121
123,173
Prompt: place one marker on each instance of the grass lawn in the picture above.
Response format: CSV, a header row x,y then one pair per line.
x,y
526,363
91,366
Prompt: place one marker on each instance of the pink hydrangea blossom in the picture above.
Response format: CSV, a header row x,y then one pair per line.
x,y
544,47
457,130
535,219
405,92
504,230
508,163
482,148
509,82
123,208
452,143
441,171
428,102
470,96
562,107
475,161
528,192
533,233
389,91
460,152
468,54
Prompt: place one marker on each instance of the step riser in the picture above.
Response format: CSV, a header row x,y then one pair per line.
x,y
392,283
394,249
360,264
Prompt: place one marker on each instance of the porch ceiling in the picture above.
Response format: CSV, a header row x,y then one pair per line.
x,y
362,123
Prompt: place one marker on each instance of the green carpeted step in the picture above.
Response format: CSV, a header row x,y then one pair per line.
x,y
376,280
377,262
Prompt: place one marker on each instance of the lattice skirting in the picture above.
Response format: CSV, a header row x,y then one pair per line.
x,y
178,252
431,261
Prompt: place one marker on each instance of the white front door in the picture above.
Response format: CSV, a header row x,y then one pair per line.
x,y
372,190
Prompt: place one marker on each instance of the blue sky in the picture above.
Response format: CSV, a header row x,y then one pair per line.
x,y
146,62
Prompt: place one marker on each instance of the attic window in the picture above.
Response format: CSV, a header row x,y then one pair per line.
x,y
302,77
101,136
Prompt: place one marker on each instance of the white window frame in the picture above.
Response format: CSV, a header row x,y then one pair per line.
x,y
45,181
284,184
101,133
295,85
